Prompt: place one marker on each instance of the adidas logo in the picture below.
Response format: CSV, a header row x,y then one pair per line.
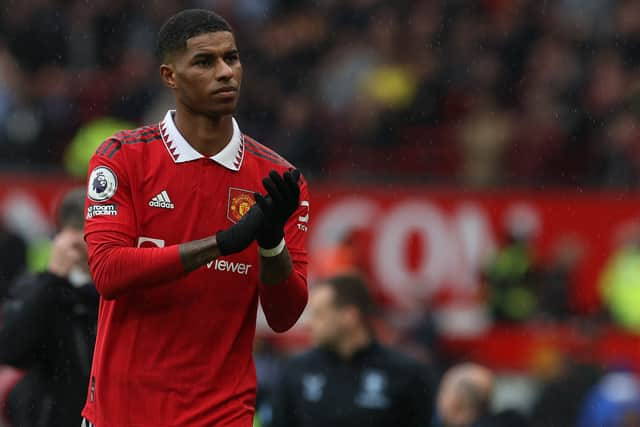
x,y
161,200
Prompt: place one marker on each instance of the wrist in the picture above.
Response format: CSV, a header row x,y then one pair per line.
x,y
272,252
239,236
269,236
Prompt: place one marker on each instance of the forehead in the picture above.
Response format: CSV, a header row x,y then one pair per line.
x,y
218,42
322,295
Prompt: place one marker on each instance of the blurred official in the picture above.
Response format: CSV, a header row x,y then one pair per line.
x,y
464,396
464,400
48,329
349,379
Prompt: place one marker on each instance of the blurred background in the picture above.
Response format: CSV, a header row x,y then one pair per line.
x,y
476,161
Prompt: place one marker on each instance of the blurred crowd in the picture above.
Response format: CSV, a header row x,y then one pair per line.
x,y
477,93
484,93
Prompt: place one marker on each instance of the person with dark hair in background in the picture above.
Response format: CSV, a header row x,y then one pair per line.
x,y
49,326
350,379
173,211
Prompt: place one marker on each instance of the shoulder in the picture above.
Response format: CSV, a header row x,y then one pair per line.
x,y
263,154
398,361
31,288
300,361
126,140
23,286
267,159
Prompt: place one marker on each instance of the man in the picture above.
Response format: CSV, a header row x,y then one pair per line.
x,y
464,400
464,395
49,323
349,379
170,230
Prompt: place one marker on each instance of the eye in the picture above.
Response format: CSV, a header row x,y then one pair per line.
x,y
232,58
204,62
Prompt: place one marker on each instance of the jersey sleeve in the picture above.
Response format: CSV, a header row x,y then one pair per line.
x,y
284,303
109,204
296,231
118,267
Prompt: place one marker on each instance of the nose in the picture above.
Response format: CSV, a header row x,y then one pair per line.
x,y
223,70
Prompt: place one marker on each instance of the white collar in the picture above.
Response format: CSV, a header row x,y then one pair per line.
x,y
181,151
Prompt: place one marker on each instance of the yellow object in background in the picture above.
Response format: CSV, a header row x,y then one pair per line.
x,y
38,253
620,288
87,139
392,86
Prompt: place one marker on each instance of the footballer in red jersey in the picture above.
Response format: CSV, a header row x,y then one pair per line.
x,y
189,224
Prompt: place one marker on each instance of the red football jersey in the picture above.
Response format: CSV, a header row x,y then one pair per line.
x,y
179,353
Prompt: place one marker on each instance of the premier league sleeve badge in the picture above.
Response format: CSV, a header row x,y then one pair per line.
x,y
102,184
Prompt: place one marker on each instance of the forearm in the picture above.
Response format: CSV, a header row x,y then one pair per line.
x,y
277,269
284,301
199,252
118,268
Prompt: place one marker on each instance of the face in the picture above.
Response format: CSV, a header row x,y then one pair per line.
x,y
206,76
327,323
450,411
71,245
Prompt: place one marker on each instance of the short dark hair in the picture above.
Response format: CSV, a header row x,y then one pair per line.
x,y
71,210
186,24
351,290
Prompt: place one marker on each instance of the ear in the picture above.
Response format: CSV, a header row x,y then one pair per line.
x,y
168,74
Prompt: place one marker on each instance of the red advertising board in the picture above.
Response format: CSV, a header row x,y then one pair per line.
x,y
422,244
417,242
425,243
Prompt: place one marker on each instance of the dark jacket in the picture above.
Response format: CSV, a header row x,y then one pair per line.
x,y
378,387
506,418
48,328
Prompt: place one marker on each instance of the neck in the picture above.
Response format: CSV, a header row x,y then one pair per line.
x,y
353,342
208,135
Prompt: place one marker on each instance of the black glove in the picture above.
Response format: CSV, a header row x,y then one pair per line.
x,y
281,202
240,235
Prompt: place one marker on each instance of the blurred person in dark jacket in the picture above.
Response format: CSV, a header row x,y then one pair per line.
x,y
565,384
349,379
557,278
48,329
13,256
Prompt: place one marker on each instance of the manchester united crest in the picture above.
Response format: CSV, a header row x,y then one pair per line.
x,y
240,201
